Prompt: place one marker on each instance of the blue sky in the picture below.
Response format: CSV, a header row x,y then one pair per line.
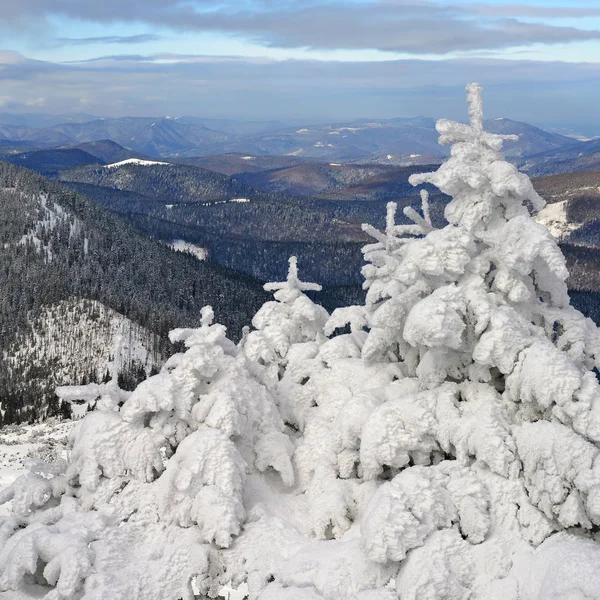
x,y
539,60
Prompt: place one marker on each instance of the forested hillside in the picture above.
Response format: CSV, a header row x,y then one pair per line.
x,y
169,184
78,341
107,151
57,245
242,228
172,202
50,162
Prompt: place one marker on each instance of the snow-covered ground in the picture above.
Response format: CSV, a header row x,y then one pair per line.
x,y
46,441
18,443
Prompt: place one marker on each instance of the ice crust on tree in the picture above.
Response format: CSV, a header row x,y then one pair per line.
x,y
444,446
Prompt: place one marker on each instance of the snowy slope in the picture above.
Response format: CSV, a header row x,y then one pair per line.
x,y
82,337
50,217
80,332
554,217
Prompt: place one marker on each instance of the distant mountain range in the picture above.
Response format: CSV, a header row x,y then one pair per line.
x,y
532,140
579,156
40,120
401,141
44,137
397,140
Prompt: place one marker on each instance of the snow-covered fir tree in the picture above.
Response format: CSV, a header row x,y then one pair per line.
x,y
447,447
291,319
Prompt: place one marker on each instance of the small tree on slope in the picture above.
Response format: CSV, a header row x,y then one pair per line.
x,y
289,332
293,318
447,447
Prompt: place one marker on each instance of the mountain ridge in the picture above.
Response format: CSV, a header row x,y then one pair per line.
x,y
360,139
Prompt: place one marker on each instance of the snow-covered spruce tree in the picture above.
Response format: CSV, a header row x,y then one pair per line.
x,y
490,434
292,318
447,448
288,334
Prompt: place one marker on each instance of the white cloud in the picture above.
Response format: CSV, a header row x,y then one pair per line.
x,y
407,26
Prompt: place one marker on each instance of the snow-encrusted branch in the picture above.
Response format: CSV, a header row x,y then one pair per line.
x,y
395,235
105,396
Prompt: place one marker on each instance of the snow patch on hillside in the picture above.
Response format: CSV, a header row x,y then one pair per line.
x,y
214,203
135,161
182,246
554,217
50,216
